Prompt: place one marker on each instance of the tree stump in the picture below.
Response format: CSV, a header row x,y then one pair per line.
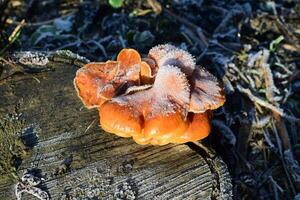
x,y
44,127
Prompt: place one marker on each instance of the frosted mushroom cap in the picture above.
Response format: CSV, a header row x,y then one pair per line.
x,y
97,82
158,52
206,92
170,55
165,97
91,79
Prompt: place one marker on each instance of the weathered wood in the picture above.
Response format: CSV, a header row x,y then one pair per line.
x,y
79,161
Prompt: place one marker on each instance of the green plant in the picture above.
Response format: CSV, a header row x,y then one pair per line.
x,y
116,3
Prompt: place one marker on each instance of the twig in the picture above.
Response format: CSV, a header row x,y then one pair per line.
x,y
267,73
275,187
194,37
267,138
282,158
266,104
89,126
122,41
155,5
271,89
13,36
260,123
288,34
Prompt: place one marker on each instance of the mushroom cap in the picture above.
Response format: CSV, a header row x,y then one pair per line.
x,y
198,129
157,52
128,58
152,65
90,78
146,73
156,115
206,91
124,121
170,55
161,129
97,82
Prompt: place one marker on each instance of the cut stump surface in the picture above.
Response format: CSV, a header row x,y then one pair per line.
x,y
80,161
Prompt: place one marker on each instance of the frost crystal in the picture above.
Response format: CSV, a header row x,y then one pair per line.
x,y
158,51
170,55
27,185
125,191
32,58
171,82
180,58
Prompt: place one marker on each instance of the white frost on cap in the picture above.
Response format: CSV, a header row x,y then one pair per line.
x,y
180,58
167,54
170,93
159,51
171,81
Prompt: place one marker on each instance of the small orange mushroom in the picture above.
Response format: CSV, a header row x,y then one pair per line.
x,y
168,101
97,82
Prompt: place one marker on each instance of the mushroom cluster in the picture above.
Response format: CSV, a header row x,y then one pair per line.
x,y
163,98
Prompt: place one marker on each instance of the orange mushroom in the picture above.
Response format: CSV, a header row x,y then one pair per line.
x,y
97,82
169,99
